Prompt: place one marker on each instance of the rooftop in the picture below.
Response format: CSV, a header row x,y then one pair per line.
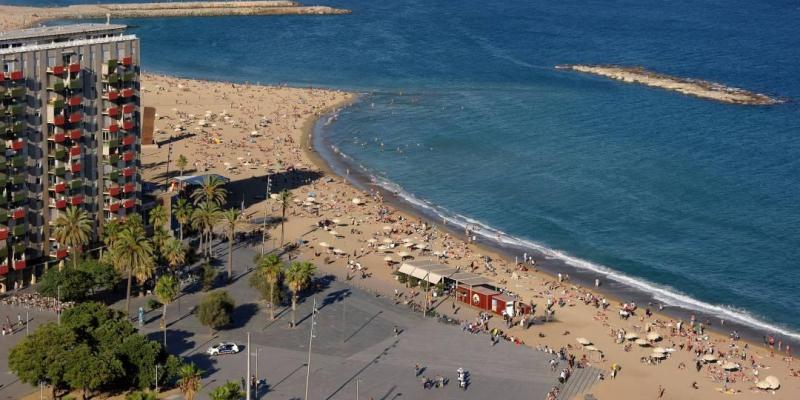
x,y
45,32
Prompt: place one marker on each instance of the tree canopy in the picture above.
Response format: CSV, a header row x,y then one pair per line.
x,y
215,309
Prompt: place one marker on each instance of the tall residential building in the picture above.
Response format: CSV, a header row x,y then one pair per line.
x,y
69,119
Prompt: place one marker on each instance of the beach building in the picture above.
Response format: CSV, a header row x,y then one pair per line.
x,y
69,119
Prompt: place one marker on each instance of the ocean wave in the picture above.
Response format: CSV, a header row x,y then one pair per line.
x,y
661,293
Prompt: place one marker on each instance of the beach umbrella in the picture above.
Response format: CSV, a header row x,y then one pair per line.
x,y
763,385
338,251
372,240
310,199
653,336
387,258
388,241
403,254
730,366
337,221
591,348
407,245
642,342
583,341
631,336
658,355
709,358
333,232
387,228
357,201
659,350
324,244
773,381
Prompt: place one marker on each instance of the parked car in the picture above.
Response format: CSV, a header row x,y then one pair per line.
x,y
223,348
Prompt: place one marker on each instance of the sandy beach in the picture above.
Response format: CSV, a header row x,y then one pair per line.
x,y
249,132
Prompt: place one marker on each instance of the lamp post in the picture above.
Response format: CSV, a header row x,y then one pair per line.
x,y
266,211
248,367
310,340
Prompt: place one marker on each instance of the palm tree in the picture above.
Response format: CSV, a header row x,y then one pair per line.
x,y
181,163
73,229
174,253
190,380
231,217
271,269
158,217
205,216
212,191
298,276
183,213
166,290
284,197
133,254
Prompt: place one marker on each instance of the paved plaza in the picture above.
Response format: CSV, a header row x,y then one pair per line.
x,y
354,350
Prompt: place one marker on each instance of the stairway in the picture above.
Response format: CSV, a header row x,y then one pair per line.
x,y
581,380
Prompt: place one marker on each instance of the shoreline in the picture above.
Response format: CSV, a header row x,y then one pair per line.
x,y
20,17
320,152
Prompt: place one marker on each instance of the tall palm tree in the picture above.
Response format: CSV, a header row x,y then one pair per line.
x,y
158,216
133,254
205,216
285,199
298,276
212,191
183,213
271,268
167,291
231,218
190,380
174,253
73,229
181,163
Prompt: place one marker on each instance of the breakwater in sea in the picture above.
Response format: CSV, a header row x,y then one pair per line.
x,y
22,17
692,87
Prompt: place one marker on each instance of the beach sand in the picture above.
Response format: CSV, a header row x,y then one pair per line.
x,y
283,118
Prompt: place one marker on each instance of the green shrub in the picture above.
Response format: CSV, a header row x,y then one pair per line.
x,y
215,309
69,284
152,304
209,275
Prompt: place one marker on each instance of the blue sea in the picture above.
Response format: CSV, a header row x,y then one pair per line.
x,y
695,202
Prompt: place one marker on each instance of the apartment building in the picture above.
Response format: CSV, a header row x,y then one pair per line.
x,y
69,120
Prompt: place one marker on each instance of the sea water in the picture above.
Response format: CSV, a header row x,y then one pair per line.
x,y
694,201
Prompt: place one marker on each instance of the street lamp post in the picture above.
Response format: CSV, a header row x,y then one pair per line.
x,y
310,340
249,388
266,212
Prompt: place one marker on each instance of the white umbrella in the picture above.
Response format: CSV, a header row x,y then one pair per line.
x,y
583,341
631,336
403,254
407,245
729,366
773,381
337,221
591,348
310,199
709,358
763,385
387,228
659,350
642,342
338,251
324,244
421,246
658,355
357,201
333,232
372,240
387,258
387,241
653,336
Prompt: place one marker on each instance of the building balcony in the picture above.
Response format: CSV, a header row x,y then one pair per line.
x,y
3,125
18,161
60,154
127,61
3,181
19,197
74,68
76,184
128,76
16,145
113,128
59,204
128,93
58,171
112,112
76,200
57,70
15,110
3,233
127,125
75,134
130,203
17,92
112,78
55,103
128,108
57,119
19,230
18,213
4,267
16,127
75,168
56,86
75,151
18,179
113,159
128,156
74,118
60,187
74,101
15,75
109,67
59,253
113,175
75,84
113,191
20,264
111,95
128,140
130,171
129,187
113,207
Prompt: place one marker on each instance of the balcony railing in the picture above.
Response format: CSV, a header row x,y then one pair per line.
x,y
128,140
113,191
74,101
75,134
76,200
128,156
15,75
4,233
20,264
128,92
56,86
75,84
129,187
74,118
60,187
57,70
74,67
76,184
111,95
